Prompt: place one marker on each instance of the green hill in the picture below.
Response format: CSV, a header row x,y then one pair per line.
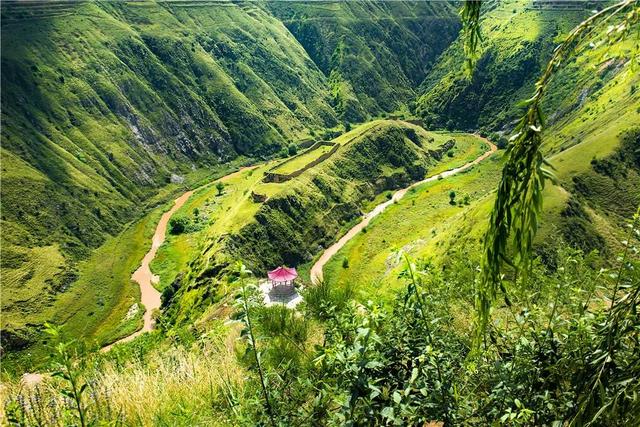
x,y
110,108
517,43
373,53
344,139
303,215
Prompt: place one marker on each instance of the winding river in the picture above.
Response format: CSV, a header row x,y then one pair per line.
x,y
316,270
149,295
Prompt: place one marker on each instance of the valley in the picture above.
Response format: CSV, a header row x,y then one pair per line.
x,y
455,187
316,274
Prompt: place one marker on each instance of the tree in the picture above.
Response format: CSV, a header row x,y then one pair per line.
x,y
220,187
450,125
244,314
178,225
347,126
293,149
452,197
518,201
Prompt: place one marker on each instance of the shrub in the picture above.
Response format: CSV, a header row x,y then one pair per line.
x,y
452,197
293,149
450,153
178,225
345,262
220,188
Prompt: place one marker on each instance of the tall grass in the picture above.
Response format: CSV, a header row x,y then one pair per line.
x,y
171,385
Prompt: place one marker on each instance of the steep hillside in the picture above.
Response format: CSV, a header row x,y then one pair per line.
x,y
593,147
374,53
103,102
517,42
593,110
106,109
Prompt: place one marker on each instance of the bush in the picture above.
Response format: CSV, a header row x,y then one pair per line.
x,y
452,197
345,262
178,225
450,153
293,149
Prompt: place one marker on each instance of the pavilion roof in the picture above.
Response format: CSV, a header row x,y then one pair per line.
x,y
282,274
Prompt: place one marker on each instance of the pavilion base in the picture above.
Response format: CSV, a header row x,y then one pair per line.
x,y
283,295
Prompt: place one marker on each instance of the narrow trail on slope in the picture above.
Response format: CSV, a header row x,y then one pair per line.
x,y
316,271
149,295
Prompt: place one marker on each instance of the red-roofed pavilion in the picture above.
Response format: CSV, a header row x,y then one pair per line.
x,y
280,286
282,276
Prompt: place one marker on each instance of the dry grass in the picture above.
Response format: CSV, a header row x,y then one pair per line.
x,y
172,385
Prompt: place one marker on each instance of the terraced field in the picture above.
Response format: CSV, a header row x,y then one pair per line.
x,y
302,160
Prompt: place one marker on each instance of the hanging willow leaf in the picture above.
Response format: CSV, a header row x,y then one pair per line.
x,y
470,15
519,195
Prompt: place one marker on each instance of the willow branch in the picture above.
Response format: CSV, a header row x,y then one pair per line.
x,y
519,196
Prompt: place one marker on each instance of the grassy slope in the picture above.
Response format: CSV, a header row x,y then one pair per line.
x,y
517,42
94,303
103,102
218,214
593,102
407,226
170,99
374,54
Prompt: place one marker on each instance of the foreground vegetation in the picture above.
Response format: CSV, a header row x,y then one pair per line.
x,y
558,352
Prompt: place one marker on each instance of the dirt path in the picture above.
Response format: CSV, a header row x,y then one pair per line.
x,y
149,295
316,270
